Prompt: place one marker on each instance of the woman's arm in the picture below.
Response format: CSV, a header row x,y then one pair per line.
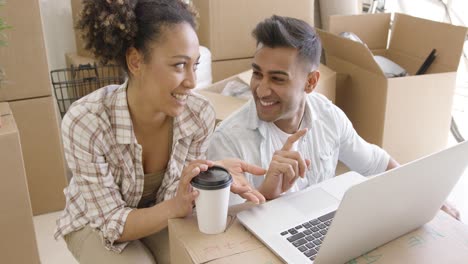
x,y
143,222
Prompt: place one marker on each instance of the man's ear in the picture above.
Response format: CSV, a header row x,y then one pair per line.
x,y
312,81
134,61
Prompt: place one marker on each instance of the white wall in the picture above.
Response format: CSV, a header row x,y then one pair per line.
x,y
58,31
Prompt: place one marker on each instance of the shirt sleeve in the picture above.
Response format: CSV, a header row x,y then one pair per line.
x,y
197,149
356,153
221,147
84,139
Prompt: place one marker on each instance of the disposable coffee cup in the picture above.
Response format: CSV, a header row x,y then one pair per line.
x,y
213,200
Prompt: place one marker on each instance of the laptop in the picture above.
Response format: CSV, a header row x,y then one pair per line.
x,y
349,215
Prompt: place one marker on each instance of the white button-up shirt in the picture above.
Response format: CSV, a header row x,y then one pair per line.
x,y
330,137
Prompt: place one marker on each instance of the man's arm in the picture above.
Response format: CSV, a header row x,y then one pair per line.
x,y
392,164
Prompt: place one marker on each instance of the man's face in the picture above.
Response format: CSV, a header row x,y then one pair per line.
x,y
278,84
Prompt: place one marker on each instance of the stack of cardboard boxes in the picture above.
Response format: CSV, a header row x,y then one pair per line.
x,y
18,243
30,145
225,28
28,90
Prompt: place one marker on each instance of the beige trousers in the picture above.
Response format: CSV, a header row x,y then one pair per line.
x,y
87,247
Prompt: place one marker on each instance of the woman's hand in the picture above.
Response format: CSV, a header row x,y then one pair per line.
x,y
186,195
240,184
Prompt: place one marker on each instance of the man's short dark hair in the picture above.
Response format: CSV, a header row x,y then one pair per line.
x,y
278,31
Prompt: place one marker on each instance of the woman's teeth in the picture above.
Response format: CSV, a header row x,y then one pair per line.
x,y
180,96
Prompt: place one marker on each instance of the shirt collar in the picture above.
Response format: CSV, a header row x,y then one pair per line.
x,y
121,117
184,124
187,123
253,122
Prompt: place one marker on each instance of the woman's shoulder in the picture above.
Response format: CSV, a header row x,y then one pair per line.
x,y
94,107
199,105
96,102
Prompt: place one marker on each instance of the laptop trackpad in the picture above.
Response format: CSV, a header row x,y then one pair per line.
x,y
312,201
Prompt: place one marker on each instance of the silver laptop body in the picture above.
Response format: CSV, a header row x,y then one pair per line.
x,y
372,211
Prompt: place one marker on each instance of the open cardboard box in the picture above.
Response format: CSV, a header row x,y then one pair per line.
x,y
226,105
408,116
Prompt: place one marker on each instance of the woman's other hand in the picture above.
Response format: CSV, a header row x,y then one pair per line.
x,y
186,195
240,185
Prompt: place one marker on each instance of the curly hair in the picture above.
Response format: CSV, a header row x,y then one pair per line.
x,y
110,27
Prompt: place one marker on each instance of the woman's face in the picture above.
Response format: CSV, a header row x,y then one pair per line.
x,y
166,79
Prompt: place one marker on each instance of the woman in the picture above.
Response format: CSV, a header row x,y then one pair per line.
x,y
134,148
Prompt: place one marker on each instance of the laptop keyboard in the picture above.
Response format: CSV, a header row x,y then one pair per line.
x,y
308,237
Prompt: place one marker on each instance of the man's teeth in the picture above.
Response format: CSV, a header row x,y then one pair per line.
x,y
180,96
266,103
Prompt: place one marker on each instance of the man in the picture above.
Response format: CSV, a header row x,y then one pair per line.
x,y
297,134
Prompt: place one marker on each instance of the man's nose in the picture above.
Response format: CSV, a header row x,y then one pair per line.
x,y
263,89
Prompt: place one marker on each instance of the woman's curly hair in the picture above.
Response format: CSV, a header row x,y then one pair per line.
x,y
110,27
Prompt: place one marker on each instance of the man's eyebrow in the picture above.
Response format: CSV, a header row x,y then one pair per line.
x,y
279,72
258,68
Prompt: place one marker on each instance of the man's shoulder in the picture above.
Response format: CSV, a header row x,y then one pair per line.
x,y
319,100
322,106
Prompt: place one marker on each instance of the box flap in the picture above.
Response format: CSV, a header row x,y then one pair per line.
x,y
372,29
417,37
350,51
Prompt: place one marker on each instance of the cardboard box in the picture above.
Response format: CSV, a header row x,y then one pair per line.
x,y
89,75
76,7
226,105
408,116
24,59
41,143
18,244
442,240
73,59
225,26
226,68
235,245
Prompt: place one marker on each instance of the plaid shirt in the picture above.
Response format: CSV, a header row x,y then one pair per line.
x,y
106,161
